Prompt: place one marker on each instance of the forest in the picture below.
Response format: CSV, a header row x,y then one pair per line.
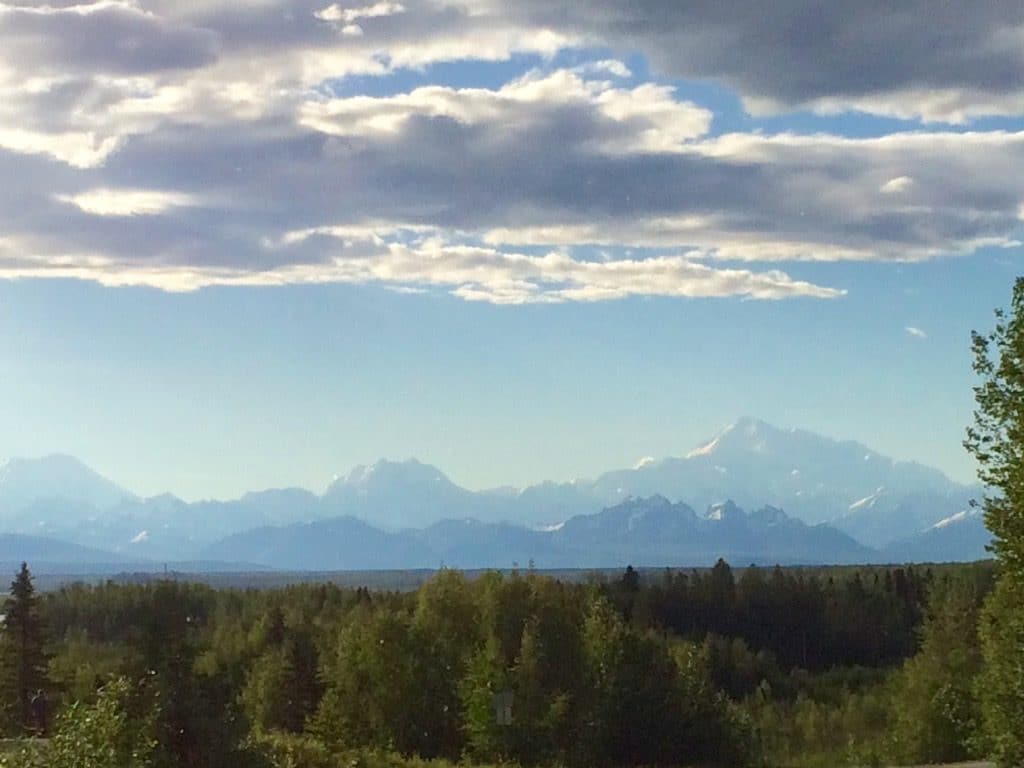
x,y
781,667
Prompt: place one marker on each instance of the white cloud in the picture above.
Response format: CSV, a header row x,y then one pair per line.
x,y
551,161
77,81
916,332
77,149
652,119
143,146
612,67
376,232
896,185
956,106
127,202
470,272
335,12
332,12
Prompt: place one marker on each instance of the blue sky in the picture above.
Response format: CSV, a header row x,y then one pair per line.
x,y
519,244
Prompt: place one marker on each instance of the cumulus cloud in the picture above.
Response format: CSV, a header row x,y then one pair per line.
x,y
184,145
78,80
107,37
916,332
521,167
914,59
127,202
473,273
645,118
80,149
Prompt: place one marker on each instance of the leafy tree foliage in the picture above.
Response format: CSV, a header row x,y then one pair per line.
x,y
938,713
113,732
380,689
282,687
996,439
1001,684
485,677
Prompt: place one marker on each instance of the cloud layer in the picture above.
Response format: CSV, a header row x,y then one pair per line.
x,y
917,58
177,146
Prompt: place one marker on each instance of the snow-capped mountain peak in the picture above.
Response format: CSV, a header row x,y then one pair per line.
x,y
410,472
745,435
725,510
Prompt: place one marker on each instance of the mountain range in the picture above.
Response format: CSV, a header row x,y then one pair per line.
x,y
644,532
812,499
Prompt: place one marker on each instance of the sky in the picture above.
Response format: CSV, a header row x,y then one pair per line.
x,y
253,244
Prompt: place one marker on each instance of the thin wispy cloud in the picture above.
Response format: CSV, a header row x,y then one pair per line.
x,y
916,332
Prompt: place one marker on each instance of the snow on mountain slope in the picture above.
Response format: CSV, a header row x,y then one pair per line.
x,y
812,477
961,536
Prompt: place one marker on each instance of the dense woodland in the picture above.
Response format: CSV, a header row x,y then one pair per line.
x,y
770,667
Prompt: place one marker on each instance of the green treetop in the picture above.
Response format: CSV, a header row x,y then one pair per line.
x,y
996,439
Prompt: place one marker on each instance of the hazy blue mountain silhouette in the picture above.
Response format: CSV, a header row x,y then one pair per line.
x,y
650,532
960,537
879,502
57,478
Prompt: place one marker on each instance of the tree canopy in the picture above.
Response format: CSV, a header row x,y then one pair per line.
x,y
996,440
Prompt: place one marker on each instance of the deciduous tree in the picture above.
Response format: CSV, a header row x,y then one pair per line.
x,y
996,440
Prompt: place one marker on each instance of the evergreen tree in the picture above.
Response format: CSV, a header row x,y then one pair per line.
x,y
23,657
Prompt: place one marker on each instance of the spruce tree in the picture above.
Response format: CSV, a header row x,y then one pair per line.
x,y
23,657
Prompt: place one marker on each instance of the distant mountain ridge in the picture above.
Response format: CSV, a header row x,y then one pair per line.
x,y
959,537
885,505
644,532
17,547
56,477
404,494
654,531
812,477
